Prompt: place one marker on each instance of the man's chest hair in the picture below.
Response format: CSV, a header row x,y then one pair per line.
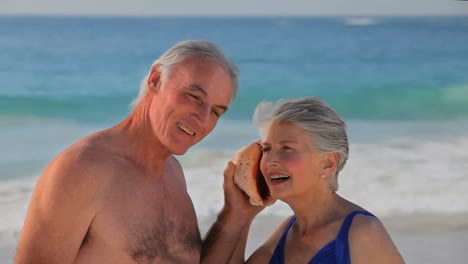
x,y
165,238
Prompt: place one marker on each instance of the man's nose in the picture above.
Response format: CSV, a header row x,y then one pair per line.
x,y
203,114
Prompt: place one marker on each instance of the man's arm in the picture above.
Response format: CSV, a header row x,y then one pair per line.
x,y
264,252
226,240
222,243
60,212
239,253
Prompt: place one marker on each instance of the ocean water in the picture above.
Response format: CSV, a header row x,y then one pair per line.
x,y
400,83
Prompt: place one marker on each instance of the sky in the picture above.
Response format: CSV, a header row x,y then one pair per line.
x,y
233,7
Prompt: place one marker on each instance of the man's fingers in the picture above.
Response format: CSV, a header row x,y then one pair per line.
x,y
229,175
229,170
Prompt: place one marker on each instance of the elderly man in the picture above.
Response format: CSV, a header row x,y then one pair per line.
x,y
119,195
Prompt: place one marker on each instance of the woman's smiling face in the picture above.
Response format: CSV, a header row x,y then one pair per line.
x,y
291,164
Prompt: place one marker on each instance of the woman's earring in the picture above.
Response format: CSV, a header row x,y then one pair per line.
x,y
323,176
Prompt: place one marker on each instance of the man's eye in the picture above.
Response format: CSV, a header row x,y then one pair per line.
x,y
195,98
216,113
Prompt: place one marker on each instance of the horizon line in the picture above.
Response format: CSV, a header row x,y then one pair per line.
x,y
225,15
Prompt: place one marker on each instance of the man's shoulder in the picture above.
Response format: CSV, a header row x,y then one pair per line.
x,y
174,165
81,161
175,170
82,153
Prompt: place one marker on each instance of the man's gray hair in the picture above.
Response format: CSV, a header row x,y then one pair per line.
x,y
181,51
324,124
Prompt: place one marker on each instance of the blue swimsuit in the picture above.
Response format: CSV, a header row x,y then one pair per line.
x,y
336,251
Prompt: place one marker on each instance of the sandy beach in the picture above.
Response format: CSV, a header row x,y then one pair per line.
x,y
7,251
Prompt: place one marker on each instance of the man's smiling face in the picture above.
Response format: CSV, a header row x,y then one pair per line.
x,y
188,102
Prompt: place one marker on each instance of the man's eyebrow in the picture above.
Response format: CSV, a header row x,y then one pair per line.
x,y
198,88
203,91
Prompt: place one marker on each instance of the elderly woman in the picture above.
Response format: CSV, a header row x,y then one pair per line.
x,y
305,146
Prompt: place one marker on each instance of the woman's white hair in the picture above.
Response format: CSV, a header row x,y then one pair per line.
x,y
181,51
313,115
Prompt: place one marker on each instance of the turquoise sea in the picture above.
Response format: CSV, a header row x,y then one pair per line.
x,y
401,84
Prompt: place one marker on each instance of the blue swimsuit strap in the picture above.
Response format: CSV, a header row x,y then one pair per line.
x,y
279,250
286,230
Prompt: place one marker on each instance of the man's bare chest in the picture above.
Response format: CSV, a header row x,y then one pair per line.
x,y
150,226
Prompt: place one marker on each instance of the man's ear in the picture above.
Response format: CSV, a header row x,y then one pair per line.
x,y
154,79
330,163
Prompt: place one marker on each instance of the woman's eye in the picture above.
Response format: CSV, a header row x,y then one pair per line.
x,y
285,148
265,149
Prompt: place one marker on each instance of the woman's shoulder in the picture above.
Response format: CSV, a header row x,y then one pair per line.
x,y
369,240
364,221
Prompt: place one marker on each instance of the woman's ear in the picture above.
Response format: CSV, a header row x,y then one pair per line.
x,y
330,163
154,79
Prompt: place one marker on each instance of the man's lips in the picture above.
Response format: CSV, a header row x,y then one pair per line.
x,y
186,129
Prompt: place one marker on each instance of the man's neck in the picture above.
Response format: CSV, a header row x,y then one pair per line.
x,y
140,143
